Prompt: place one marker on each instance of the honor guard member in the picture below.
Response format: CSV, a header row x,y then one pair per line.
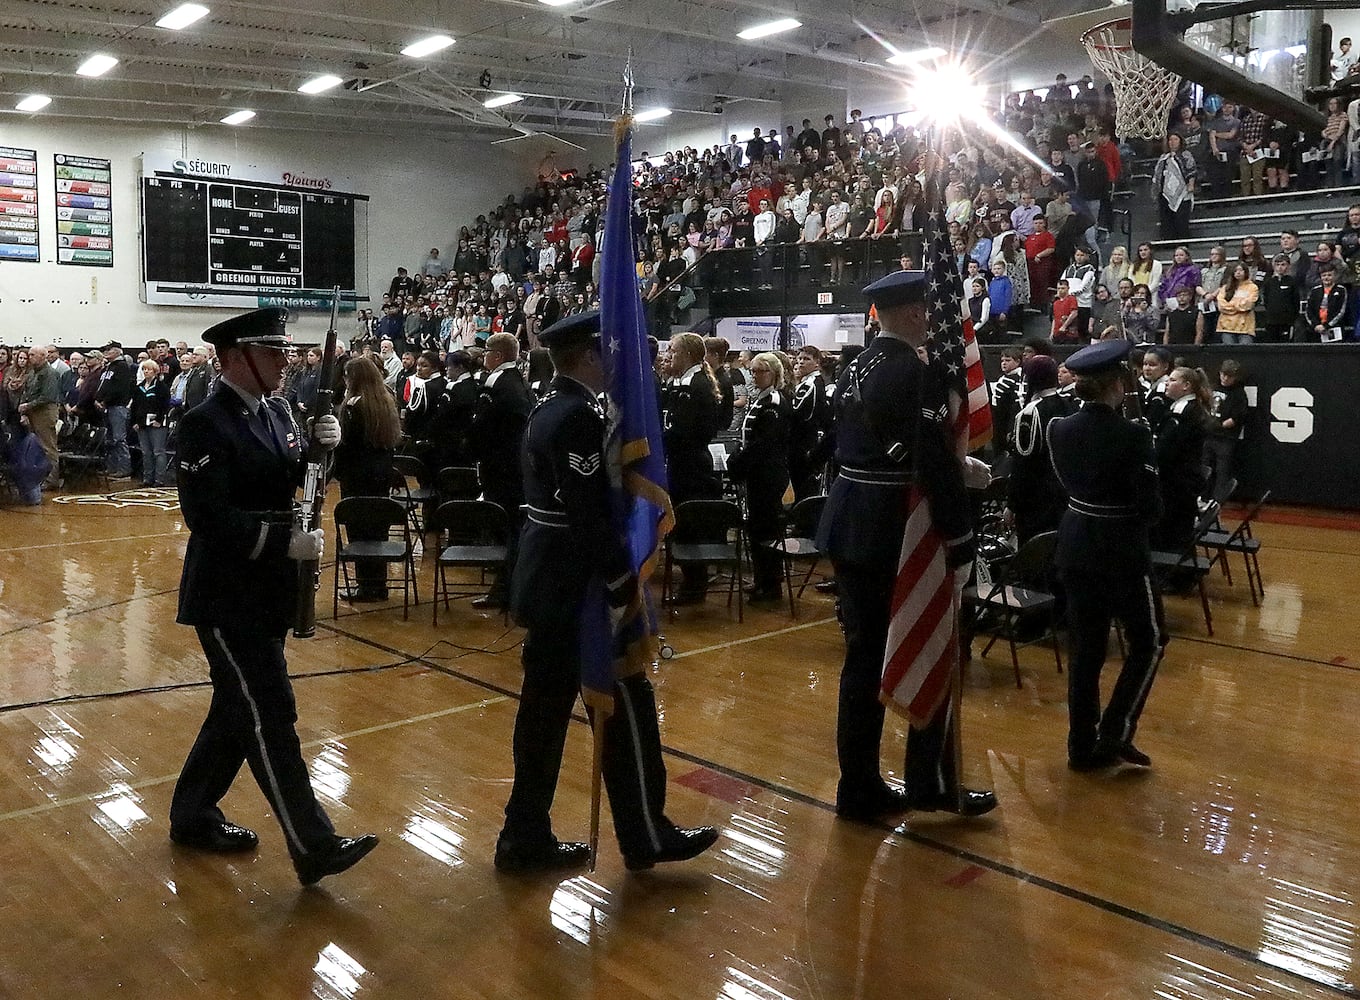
x,y
1034,494
569,542
495,436
240,463
690,405
761,464
890,413
1107,465
811,420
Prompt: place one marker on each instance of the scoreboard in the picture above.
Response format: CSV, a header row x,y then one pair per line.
x,y
236,243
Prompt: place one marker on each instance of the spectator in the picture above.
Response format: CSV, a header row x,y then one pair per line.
x,y
1323,258
1326,312
401,286
1342,60
1252,255
1173,185
1183,273
1001,294
1178,324
1039,258
1145,269
1280,141
147,415
1334,137
1107,321
1140,317
1224,149
1237,306
1191,134
112,398
1282,296
1066,322
1117,269
1252,165
433,267
980,311
1211,278
1081,281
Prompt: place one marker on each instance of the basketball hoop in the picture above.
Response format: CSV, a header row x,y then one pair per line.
x,y
1143,91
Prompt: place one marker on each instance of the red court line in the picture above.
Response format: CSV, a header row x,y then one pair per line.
x,y
1302,517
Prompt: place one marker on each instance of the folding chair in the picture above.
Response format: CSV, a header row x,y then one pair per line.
x,y
404,469
473,534
798,544
84,455
1222,543
707,533
1188,562
376,517
1019,591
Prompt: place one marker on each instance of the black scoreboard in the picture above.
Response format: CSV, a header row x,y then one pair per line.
x,y
244,243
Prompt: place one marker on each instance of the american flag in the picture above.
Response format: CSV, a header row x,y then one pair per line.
x,y
923,631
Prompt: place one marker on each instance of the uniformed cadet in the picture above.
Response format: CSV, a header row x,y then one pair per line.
x,y
811,420
569,542
1034,494
1156,370
240,462
495,436
761,464
890,409
1106,464
690,422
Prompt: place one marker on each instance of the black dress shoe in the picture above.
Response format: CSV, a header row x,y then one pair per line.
x,y
680,845
873,807
826,587
968,802
345,853
1130,754
1096,759
225,838
546,856
364,596
489,602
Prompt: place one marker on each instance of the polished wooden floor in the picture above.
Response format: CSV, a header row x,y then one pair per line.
x,y
1229,870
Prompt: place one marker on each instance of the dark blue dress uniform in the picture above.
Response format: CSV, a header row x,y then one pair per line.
x,y
1034,493
240,462
811,419
689,421
890,413
1107,465
495,438
567,543
761,464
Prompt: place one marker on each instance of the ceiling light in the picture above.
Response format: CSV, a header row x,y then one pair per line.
x,y
652,114
182,16
97,65
555,3
501,100
319,83
916,56
33,102
238,117
427,46
769,28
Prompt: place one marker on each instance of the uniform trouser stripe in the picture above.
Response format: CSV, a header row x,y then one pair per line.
x,y
625,699
1136,705
275,793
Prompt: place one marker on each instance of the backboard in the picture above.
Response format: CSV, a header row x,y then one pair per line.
x,y
1250,52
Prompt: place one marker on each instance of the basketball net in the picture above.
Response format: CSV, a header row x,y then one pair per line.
x,y
1143,91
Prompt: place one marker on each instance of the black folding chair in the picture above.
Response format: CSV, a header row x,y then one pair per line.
x,y
405,469
1220,544
473,534
457,482
1020,592
376,521
1173,567
798,544
707,533
84,455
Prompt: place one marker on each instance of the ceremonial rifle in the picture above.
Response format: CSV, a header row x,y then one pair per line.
x,y
314,487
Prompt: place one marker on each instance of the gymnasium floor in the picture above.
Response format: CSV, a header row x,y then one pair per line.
x,y
1227,871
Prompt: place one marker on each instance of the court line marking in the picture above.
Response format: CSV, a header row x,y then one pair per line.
x,y
752,638
1169,927
92,541
165,778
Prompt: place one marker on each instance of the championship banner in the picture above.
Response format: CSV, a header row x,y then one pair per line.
x,y
84,203
18,204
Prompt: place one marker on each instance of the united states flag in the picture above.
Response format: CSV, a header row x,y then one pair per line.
x,y
923,631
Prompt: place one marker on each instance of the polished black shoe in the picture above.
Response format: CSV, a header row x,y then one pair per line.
x,y
364,596
1130,754
680,845
826,587
1096,760
872,808
345,853
546,856
968,802
224,838
489,602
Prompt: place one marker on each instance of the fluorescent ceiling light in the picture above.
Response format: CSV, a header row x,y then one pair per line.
x,y
652,114
33,102
769,28
182,16
319,83
97,65
501,100
916,56
238,117
555,3
427,46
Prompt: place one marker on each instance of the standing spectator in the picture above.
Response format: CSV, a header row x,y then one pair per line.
x,y
1140,318
40,402
1326,310
1108,153
147,415
1237,306
1342,60
755,148
1173,184
1224,149
1253,163
1211,279
1282,295
1178,325
1191,134
1065,323
112,398
17,377
1093,186
1039,257
1081,281
1183,273
1116,270
1334,141
1146,270
433,266
1280,140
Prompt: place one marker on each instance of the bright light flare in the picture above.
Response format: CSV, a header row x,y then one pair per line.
x,y
238,117
318,84
501,100
948,94
33,102
97,65
769,28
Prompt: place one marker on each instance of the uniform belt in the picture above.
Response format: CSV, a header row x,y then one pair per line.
x,y
548,518
273,516
1100,509
876,477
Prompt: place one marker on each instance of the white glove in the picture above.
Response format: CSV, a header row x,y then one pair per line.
x,y
306,546
976,473
326,431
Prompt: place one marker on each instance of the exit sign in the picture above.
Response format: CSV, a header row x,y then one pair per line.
x,y
824,298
